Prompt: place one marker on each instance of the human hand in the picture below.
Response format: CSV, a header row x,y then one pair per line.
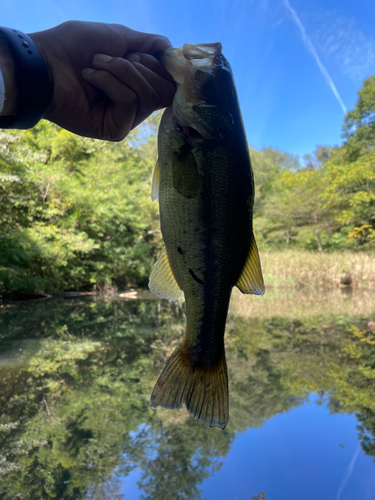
x,y
106,77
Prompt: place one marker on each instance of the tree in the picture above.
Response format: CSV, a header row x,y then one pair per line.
x,y
75,212
328,202
359,123
349,196
293,208
266,164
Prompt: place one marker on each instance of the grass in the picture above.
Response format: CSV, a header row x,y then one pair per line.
x,y
312,270
301,284
303,304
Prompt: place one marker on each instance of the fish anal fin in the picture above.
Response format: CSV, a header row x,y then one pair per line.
x,y
204,390
162,281
155,182
251,279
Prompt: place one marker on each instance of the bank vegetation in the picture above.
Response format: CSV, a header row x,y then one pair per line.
x,y
76,214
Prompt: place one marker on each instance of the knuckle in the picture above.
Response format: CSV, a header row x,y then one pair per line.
x,y
155,97
159,43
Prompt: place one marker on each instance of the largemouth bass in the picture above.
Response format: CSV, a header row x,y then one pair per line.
x,y
204,183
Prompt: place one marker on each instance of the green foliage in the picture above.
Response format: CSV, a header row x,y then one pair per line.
x,y
350,194
266,164
319,206
293,208
75,212
359,123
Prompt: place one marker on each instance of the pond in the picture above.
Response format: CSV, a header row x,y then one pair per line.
x,y
76,376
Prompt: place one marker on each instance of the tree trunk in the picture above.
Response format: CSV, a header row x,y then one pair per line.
x,y
320,248
287,236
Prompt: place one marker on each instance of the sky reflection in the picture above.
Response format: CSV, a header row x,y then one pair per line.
x,y
296,455
306,453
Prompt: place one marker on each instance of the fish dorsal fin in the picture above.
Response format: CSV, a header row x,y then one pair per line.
x,y
251,279
155,182
162,281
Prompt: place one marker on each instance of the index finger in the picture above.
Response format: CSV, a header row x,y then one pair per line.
x,y
148,43
151,63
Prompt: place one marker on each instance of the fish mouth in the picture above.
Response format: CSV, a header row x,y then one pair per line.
x,y
197,105
179,61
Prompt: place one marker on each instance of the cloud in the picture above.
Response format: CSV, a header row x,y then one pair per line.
x,y
263,6
348,473
311,48
63,16
340,40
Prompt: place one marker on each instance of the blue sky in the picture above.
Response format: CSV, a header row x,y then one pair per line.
x,y
298,65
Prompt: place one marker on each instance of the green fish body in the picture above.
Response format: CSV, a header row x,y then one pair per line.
x,y
205,187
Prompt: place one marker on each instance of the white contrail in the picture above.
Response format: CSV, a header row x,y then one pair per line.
x,y
310,47
345,480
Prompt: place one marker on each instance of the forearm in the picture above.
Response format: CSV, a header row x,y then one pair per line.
x,y
8,74
28,88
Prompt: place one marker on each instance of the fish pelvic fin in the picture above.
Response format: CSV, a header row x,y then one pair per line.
x,y
251,279
155,189
162,281
204,390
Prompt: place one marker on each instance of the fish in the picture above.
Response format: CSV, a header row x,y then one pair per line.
x,y
204,183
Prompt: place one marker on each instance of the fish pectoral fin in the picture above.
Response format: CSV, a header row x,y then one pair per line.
x,y
203,389
162,281
251,279
212,121
156,182
185,172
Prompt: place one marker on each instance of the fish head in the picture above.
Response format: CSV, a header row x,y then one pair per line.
x,y
206,93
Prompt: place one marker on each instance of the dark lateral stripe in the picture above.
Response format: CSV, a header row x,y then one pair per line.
x,y
195,277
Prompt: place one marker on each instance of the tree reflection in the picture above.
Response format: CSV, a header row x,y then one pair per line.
x,y
75,380
179,458
366,417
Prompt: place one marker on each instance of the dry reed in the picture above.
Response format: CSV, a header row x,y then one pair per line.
x,y
303,304
313,270
305,284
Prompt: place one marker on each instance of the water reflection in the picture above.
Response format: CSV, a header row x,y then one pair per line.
x,y
76,375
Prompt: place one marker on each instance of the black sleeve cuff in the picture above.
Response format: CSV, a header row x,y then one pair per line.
x,y
33,83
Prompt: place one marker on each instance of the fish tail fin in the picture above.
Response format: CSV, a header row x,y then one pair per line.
x,y
204,390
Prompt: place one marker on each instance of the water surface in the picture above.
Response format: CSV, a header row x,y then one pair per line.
x,y
76,375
